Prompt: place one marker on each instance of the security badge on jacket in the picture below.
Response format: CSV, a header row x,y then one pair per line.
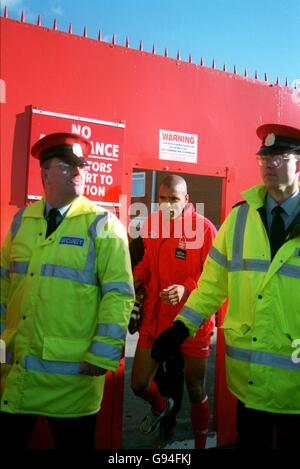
x,y
180,252
72,240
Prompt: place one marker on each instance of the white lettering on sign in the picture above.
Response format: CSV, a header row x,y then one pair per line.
x,y
103,180
178,146
105,149
91,178
98,148
99,166
176,137
98,178
98,191
84,130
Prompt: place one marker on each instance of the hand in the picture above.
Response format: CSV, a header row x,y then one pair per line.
x,y
91,370
165,345
173,294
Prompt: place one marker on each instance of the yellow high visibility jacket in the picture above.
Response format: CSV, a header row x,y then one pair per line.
x,y
262,322
65,299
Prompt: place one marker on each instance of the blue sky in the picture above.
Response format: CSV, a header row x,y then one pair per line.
x,y
260,35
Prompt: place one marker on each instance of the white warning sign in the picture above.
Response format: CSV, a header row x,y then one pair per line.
x,y
178,146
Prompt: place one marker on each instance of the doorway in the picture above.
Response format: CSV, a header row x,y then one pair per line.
x,y
207,190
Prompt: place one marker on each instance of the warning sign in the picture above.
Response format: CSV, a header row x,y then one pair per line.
x,y
103,181
178,146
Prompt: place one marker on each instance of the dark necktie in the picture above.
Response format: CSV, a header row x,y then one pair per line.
x,y
52,221
277,230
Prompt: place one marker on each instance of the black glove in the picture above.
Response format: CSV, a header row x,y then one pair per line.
x,y
165,345
137,313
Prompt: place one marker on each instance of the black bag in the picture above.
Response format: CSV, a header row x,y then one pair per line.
x,y
136,316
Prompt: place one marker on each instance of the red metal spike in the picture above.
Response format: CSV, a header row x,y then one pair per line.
x,y
178,55
224,68
141,45
153,49
39,21
99,35
266,77
201,62
234,69
286,82
256,75
213,64
245,73
70,29
22,17
54,24
5,12
166,52
190,58
127,42
84,32
113,40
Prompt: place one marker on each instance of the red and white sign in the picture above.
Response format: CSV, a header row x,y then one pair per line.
x,y
178,146
103,181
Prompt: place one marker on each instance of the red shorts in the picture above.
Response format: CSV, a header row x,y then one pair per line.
x,y
198,347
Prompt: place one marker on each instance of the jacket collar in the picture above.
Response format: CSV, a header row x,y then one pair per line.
x,y
79,206
255,197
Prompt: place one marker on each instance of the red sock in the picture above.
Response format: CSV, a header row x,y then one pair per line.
x,y
200,416
157,402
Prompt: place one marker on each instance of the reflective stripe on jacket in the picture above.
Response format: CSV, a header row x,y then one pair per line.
x,y
65,299
262,323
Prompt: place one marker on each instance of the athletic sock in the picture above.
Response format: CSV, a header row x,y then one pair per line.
x,y
158,403
200,417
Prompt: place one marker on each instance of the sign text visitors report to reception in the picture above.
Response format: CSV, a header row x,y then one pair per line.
x,y
103,181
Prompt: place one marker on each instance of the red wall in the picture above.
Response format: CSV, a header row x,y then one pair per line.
x,y
65,73
70,74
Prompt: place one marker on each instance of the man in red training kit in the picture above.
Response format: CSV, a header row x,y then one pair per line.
x,y
177,241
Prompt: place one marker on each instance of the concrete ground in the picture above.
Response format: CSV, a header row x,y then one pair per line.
x,y
135,409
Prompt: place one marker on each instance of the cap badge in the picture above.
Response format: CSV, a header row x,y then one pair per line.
x,y
269,140
77,150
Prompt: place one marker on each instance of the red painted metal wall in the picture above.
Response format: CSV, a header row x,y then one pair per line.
x,y
76,75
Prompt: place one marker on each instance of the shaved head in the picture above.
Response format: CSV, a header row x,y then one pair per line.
x,y
172,196
172,180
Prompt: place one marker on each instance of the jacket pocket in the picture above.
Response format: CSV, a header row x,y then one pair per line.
x,y
239,328
65,349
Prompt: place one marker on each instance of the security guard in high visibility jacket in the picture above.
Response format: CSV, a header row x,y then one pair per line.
x,y
66,297
255,262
